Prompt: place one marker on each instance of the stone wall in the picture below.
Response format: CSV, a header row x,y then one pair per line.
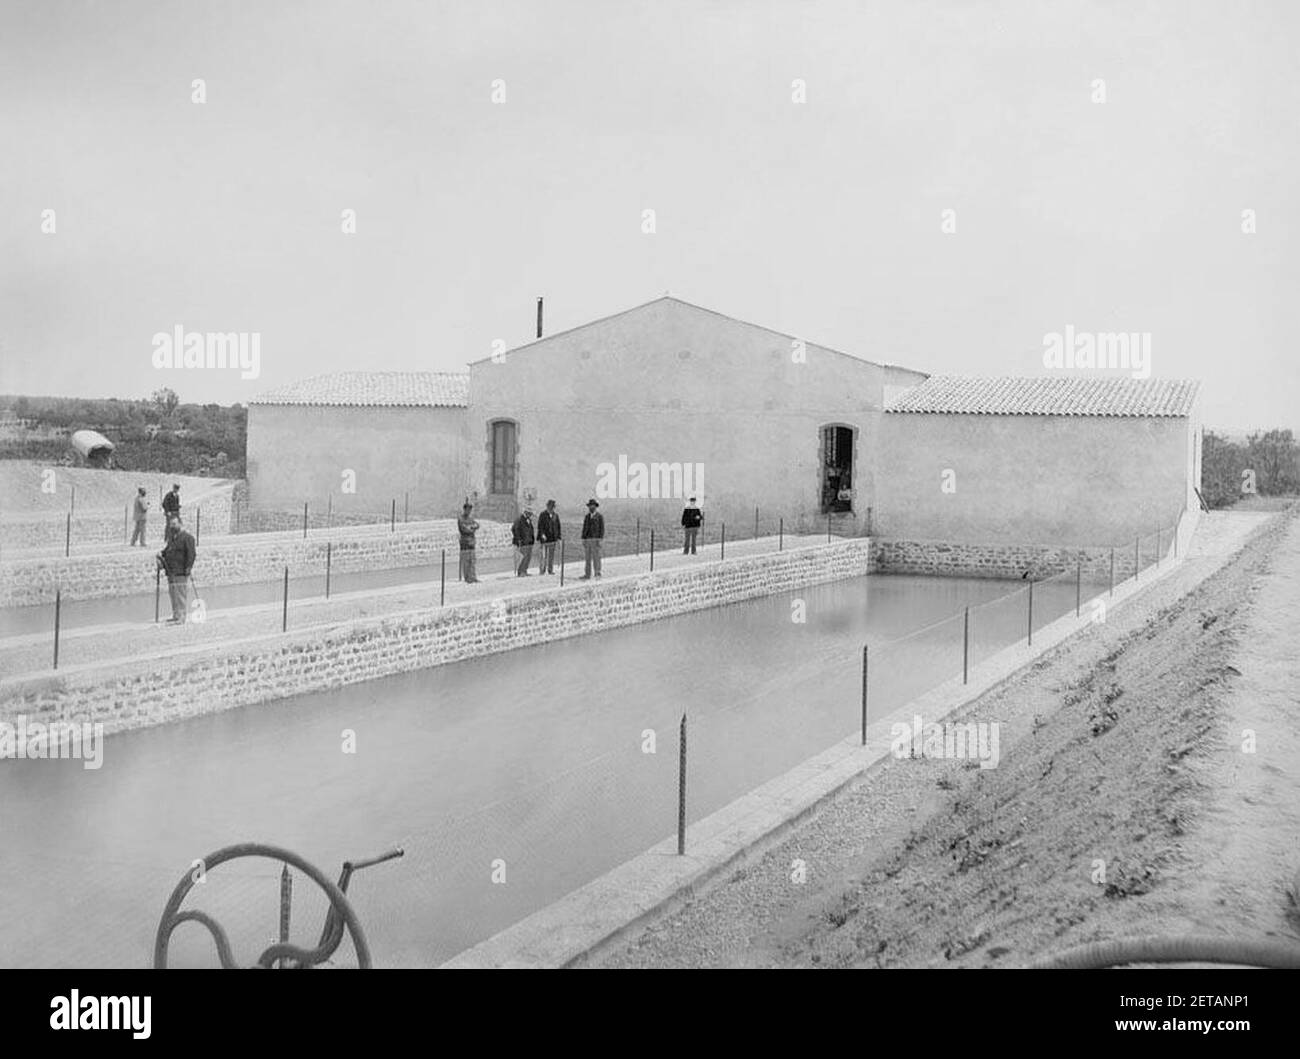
x,y
236,560
1012,561
141,692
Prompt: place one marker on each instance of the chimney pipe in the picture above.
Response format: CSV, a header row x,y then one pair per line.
x,y
539,317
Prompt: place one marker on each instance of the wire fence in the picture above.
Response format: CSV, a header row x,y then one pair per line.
x,y
902,669
583,799
300,588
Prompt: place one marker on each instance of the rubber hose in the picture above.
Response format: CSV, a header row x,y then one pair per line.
x,y
1186,949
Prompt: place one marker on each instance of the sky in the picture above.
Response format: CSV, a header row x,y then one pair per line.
x,y
1098,158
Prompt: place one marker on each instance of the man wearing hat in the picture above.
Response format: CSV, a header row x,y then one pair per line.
x,y
467,526
548,532
171,505
692,516
593,538
522,535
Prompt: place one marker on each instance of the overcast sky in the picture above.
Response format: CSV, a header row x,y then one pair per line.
x,y
820,219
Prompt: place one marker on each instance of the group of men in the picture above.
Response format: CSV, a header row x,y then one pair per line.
x,y
179,549
171,505
548,533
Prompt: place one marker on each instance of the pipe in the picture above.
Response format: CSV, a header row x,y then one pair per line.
x,y
1186,949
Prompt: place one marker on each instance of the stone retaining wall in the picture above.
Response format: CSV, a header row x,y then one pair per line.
x,y
144,692
234,560
1012,561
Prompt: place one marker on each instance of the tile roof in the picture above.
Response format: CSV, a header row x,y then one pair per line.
x,y
435,389
1048,396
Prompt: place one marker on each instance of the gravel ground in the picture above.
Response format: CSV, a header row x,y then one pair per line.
x,y
1122,804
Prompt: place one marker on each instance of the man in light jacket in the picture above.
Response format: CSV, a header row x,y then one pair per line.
x,y
141,517
548,533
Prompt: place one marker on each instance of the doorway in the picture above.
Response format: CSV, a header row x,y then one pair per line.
x,y
837,469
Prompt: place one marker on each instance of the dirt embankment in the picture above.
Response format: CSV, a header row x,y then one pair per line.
x,y
1125,803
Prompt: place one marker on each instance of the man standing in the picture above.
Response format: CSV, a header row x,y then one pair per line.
x,y
468,527
177,558
548,533
522,535
141,516
593,537
171,505
692,516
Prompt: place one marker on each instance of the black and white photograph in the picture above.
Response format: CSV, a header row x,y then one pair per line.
x,y
678,485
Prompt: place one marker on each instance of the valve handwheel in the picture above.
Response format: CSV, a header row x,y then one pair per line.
x,y
341,915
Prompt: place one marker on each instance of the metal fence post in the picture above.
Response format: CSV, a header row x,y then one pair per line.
x,y
304,520
442,595
72,506
329,510
965,646
638,536
284,619
157,591
681,786
329,556
652,549
392,518
67,538
864,694
780,539
58,600
561,562
406,507
286,900
198,523
724,540
1031,612
828,527
756,523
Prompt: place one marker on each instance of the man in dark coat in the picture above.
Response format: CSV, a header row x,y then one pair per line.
x,y
522,535
692,516
593,539
177,559
171,504
548,533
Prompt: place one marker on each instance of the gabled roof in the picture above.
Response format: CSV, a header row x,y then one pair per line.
x,y
1048,396
698,308
429,389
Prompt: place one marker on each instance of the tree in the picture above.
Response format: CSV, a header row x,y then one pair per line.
x,y
1272,455
166,400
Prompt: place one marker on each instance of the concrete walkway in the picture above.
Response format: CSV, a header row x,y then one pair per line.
x,y
31,654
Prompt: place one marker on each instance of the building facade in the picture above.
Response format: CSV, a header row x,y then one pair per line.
x,y
665,401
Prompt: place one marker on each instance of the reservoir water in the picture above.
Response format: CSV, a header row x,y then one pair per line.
x,y
510,780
